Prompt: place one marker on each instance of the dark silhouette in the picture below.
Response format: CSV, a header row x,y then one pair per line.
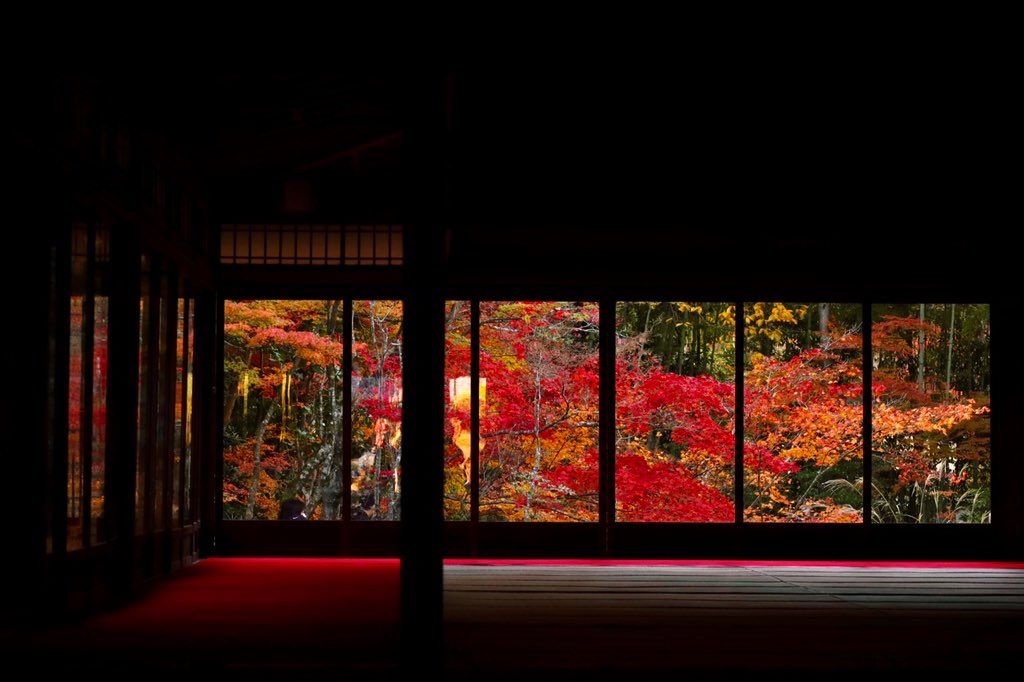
x,y
292,509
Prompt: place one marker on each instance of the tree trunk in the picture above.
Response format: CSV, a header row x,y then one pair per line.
x,y
254,487
396,465
229,407
332,317
330,488
329,483
682,350
949,352
538,451
823,322
698,346
920,353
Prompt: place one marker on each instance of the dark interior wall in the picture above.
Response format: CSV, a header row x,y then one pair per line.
x,y
87,159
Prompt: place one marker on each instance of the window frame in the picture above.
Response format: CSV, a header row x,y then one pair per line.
x,y
608,537
335,536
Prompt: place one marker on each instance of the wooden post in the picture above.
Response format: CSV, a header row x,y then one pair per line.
x,y
422,638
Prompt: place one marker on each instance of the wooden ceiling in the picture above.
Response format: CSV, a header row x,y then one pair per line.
x,y
636,161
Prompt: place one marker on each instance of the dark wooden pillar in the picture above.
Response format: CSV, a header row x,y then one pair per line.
x,y
422,637
208,397
122,402
1007,432
39,214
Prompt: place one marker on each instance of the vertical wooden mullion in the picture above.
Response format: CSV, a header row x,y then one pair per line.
x,y
198,447
606,416
346,422
995,484
122,401
208,469
868,400
170,357
474,411
151,387
62,384
51,420
738,414
85,423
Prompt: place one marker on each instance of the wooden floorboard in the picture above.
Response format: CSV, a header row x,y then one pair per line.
x,y
743,618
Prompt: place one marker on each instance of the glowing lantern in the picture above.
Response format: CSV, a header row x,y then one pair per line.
x,y
459,392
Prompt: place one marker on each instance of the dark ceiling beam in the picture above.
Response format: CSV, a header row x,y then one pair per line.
x,y
386,142
286,149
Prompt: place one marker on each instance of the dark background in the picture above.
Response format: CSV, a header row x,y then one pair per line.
x,y
883,176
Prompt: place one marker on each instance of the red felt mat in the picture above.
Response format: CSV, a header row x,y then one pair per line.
x,y
271,596
245,614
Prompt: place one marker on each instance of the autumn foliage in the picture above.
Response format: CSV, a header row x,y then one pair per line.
x,y
675,414
675,411
283,413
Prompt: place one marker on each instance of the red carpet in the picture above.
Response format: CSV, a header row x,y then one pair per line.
x,y
239,614
275,598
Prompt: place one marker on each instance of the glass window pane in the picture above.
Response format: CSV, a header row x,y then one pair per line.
x,y
75,474
187,481
457,427
803,415
319,244
303,245
376,409
241,247
179,394
675,406
100,333
162,444
539,411
365,245
257,246
227,245
334,254
273,237
396,247
351,247
287,245
931,418
76,390
101,326
283,432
